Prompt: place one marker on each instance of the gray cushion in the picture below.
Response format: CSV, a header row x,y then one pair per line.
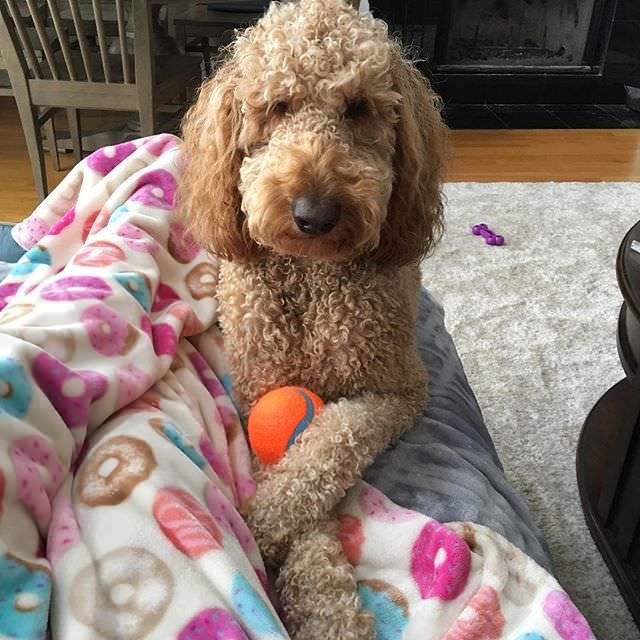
x,y
446,466
10,250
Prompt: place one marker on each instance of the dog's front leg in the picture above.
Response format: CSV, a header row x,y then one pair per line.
x,y
318,591
326,461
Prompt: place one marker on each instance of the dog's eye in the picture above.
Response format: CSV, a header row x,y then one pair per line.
x,y
279,108
356,109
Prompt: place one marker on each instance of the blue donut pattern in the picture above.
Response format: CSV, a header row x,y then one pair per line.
x,y
31,260
136,285
175,437
252,610
531,636
226,382
118,213
15,390
24,600
390,618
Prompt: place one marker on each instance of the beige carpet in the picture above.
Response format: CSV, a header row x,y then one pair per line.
x,y
535,324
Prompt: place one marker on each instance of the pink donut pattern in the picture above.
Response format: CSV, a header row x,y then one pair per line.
x,y
567,620
63,223
137,240
482,620
218,460
99,254
87,227
70,392
191,325
206,376
132,383
440,562
105,160
212,624
377,506
165,296
7,292
156,189
186,523
159,144
351,536
76,288
64,530
38,472
182,245
96,382
146,327
226,515
165,340
30,231
109,334
245,486
95,222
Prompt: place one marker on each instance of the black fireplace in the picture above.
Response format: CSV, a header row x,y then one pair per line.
x,y
522,51
526,35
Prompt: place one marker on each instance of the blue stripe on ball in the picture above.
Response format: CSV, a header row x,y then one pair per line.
x,y
306,421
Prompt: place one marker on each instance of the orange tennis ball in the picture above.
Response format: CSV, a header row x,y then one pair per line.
x,y
278,418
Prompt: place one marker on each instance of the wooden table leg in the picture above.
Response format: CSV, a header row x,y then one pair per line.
x,y
608,474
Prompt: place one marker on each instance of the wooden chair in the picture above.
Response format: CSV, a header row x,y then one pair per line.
x,y
7,90
76,70
200,25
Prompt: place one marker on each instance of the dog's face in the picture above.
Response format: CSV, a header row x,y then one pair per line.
x,y
298,142
319,134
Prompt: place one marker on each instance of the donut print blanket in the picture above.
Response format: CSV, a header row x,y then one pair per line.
x,y
123,463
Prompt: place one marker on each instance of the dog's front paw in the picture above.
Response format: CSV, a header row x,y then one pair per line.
x,y
271,526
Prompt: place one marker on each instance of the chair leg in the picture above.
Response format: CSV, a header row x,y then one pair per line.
x,y
33,138
50,135
145,67
73,118
147,117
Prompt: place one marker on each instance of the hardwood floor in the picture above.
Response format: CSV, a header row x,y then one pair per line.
x,y
558,155
582,155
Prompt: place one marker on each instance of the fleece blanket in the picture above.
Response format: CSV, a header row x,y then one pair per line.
x,y
123,463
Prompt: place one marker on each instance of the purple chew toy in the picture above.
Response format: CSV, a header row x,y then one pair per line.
x,y
489,236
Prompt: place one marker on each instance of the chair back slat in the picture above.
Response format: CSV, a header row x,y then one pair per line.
x,y
102,41
73,41
61,34
82,40
43,37
122,37
21,31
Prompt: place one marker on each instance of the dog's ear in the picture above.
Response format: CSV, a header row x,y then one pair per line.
x,y
414,220
208,195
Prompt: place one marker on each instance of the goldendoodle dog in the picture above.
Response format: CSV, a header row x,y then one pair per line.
x,y
312,169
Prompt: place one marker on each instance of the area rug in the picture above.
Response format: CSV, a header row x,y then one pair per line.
x,y
535,324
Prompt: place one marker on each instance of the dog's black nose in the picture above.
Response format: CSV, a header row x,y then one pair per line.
x,y
315,216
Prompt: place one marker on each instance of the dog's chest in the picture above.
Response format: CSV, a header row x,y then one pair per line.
x,y
337,329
